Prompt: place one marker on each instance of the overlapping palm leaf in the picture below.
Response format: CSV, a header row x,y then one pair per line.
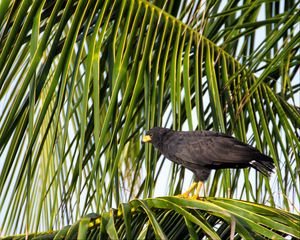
x,y
80,81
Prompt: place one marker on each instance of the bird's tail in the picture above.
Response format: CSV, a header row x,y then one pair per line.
x,y
263,164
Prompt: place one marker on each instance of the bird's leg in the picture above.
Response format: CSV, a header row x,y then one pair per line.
x,y
199,186
187,193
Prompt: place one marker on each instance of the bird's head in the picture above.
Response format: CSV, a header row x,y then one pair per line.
x,y
155,136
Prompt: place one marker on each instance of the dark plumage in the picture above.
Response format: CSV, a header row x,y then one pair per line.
x,y
201,151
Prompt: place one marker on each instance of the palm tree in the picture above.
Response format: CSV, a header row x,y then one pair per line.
x,y
80,82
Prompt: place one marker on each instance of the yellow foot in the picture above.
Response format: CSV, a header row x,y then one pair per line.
x,y
184,195
195,187
187,193
195,197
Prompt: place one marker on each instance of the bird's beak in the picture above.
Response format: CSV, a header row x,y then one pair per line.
x,y
146,138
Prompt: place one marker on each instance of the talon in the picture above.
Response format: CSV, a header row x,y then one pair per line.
x,y
196,187
183,195
195,197
187,193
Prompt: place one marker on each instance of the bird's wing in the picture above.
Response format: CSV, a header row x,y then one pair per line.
x,y
210,148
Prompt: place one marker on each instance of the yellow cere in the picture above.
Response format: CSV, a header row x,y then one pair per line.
x,y
146,138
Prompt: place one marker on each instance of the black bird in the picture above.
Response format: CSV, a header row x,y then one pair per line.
x,y
201,151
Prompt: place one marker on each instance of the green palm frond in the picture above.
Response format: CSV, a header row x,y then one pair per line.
x,y
174,218
80,81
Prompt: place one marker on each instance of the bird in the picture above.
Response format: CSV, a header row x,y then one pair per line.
x,y
202,151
